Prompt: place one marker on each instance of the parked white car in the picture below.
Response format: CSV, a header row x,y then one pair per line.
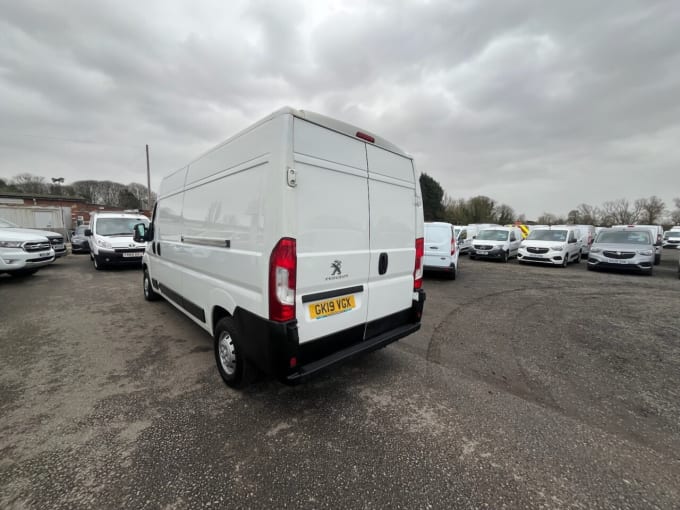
x,y
297,244
551,245
22,254
110,239
440,249
497,243
671,238
56,239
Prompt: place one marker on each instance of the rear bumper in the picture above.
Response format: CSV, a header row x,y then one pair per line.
x,y
272,346
440,269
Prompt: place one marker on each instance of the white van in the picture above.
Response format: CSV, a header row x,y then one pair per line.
x,y
657,238
497,243
463,239
440,248
555,245
110,239
296,244
586,236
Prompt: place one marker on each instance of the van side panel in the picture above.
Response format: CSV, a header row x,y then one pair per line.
x,y
331,204
392,195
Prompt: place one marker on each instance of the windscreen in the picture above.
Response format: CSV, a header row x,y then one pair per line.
x,y
625,237
547,235
493,235
118,226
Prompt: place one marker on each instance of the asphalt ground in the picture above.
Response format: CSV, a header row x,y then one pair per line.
x,y
527,387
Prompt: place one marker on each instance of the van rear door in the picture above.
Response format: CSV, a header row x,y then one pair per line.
x,y
392,197
438,245
332,225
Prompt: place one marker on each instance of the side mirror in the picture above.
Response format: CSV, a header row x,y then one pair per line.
x,y
140,233
88,233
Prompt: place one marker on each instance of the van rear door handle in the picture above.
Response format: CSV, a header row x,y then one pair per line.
x,y
382,263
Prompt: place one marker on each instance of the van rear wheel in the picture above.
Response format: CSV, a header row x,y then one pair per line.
x,y
235,370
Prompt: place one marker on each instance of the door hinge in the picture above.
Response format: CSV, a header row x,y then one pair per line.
x,y
292,177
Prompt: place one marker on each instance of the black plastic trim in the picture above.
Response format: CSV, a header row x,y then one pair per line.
x,y
332,293
190,307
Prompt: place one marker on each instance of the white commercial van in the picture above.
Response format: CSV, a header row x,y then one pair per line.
x,y
296,244
110,239
440,248
496,243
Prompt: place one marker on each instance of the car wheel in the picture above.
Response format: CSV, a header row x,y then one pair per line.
x,y
235,370
22,272
657,260
97,263
578,258
149,293
505,257
590,268
452,273
565,261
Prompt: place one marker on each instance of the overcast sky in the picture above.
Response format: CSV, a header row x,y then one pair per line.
x,y
538,104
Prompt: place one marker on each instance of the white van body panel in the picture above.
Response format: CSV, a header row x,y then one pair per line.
x,y
348,204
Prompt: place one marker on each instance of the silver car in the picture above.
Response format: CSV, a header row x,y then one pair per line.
x,y
628,249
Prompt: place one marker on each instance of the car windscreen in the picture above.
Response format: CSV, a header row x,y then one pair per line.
x,y
80,231
117,226
493,235
624,237
672,235
437,235
547,235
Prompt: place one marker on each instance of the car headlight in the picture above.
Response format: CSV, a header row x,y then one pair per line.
x,y
648,253
595,250
557,247
104,244
10,244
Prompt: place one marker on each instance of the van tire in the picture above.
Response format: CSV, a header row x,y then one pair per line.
x,y
657,259
149,293
452,274
505,257
98,265
578,258
236,371
565,261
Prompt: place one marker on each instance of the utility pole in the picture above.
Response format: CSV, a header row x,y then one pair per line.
x,y
148,179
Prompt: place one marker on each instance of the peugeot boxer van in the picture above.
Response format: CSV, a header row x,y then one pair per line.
x,y
297,244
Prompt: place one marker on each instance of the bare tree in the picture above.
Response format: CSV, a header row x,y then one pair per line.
x,y
29,183
504,214
621,211
589,215
652,209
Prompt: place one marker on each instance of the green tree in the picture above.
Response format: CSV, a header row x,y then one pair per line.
x,y
433,195
504,214
481,209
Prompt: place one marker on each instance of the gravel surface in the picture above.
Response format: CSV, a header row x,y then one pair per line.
x,y
527,387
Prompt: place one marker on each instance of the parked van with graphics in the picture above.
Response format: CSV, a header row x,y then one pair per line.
x,y
297,244
440,249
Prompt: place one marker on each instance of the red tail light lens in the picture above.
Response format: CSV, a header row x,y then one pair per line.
x,y
418,271
282,280
365,136
453,246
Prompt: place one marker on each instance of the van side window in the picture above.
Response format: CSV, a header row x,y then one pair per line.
x,y
512,237
572,237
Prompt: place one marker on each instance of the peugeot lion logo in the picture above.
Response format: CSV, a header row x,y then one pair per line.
x,y
336,266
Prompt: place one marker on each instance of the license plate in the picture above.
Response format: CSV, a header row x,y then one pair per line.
x,y
133,254
330,307
480,252
45,254
617,261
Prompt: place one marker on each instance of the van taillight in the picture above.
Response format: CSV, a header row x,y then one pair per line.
x,y
453,246
282,280
418,271
365,136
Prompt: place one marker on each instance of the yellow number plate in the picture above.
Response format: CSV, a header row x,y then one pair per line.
x,y
331,307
